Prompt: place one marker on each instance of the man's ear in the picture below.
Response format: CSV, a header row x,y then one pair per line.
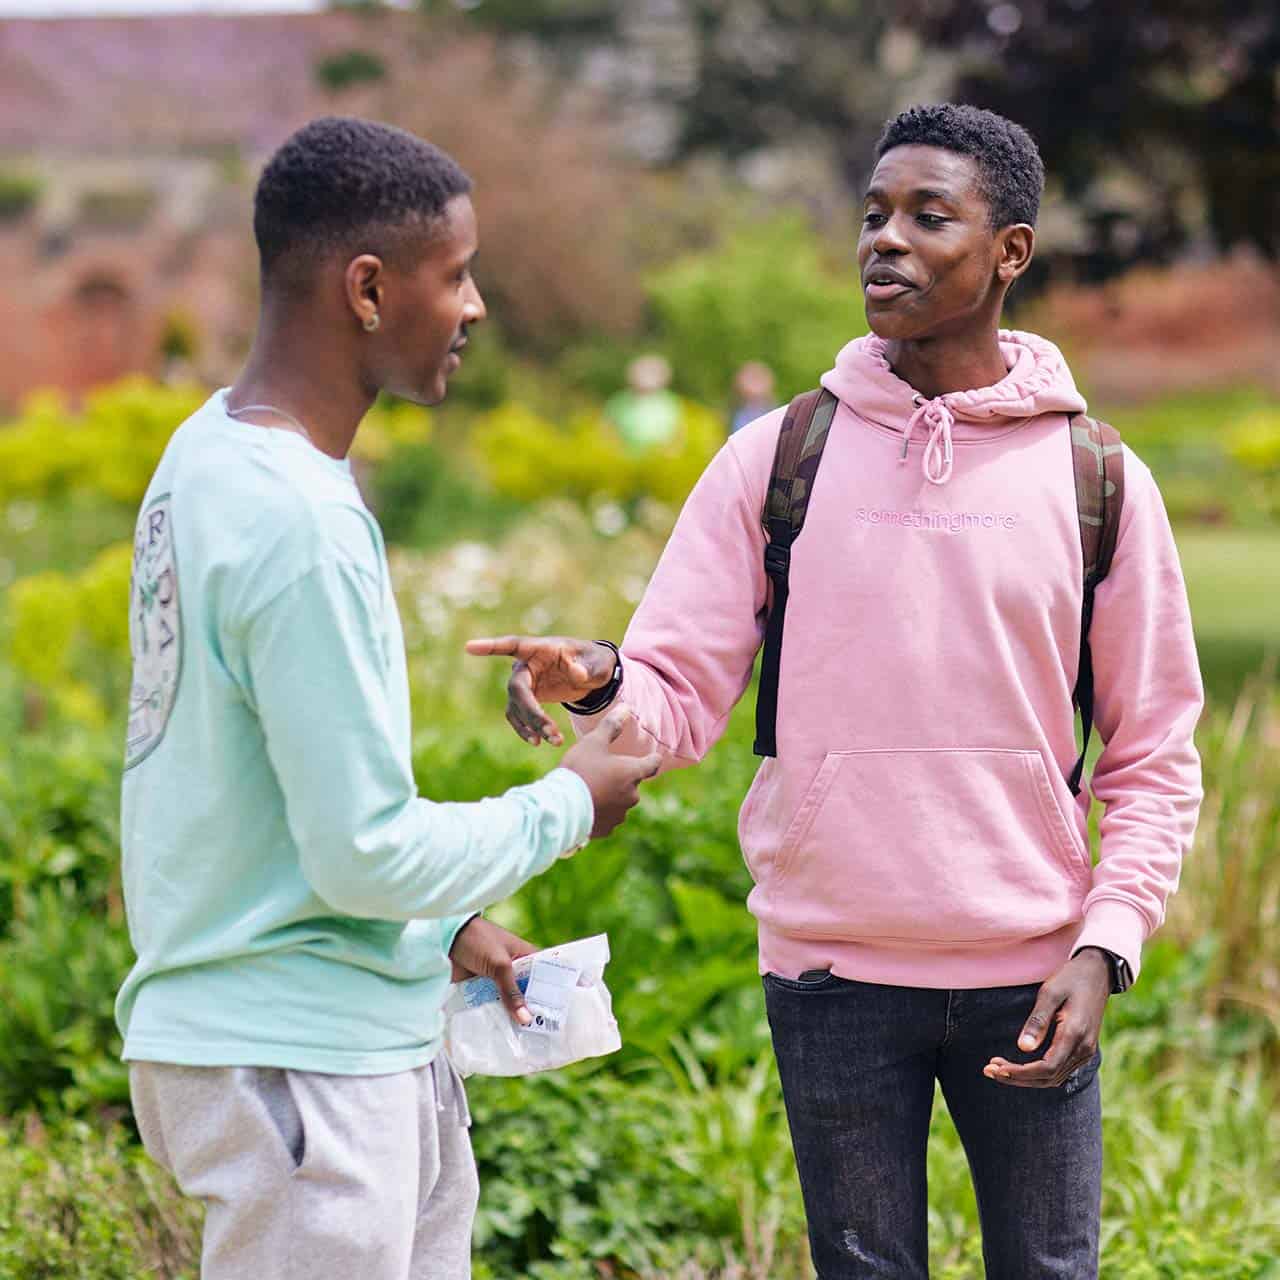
x,y
363,282
1015,245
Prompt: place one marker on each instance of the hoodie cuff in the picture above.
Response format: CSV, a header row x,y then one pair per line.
x,y
1116,927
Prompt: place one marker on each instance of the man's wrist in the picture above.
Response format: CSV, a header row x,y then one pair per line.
x,y
457,933
1117,966
603,695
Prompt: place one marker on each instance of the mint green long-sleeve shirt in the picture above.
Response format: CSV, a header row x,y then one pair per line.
x,y
291,898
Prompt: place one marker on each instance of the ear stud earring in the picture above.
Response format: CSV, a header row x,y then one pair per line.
x,y
372,322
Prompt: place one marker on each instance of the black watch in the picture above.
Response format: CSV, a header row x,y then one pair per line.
x,y
600,698
1121,976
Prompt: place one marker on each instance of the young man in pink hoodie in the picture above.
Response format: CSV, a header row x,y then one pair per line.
x,y
928,906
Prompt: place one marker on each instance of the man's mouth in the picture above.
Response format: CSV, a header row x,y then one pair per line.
x,y
883,283
454,359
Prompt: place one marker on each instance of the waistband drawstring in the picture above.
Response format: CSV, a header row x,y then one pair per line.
x,y
447,1081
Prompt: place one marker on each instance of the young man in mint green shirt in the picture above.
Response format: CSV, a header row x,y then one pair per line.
x,y
297,909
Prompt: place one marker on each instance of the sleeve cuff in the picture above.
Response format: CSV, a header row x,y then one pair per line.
x,y
454,927
1113,926
582,809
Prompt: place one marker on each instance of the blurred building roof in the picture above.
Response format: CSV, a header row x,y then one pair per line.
x,y
171,81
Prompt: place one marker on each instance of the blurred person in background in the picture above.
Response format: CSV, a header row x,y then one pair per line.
x,y
645,414
298,910
929,911
752,394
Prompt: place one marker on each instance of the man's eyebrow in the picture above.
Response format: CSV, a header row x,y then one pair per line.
x,y
920,193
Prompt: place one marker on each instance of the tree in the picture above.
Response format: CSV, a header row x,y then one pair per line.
x,y
1181,92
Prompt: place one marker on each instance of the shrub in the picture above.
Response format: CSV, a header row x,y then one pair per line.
x,y
423,499
68,634
19,193
1254,443
81,1200
527,458
119,208
179,337
112,445
340,71
766,293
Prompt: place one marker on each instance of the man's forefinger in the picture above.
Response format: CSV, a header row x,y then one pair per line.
x,y
504,646
512,996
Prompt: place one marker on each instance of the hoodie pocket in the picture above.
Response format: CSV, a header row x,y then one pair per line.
x,y
933,845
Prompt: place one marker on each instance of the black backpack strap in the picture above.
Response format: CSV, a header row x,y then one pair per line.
x,y
1098,458
802,438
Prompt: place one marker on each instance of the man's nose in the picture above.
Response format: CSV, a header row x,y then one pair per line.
x,y
474,308
889,237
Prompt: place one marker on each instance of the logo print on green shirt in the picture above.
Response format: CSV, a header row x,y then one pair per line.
x,y
155,631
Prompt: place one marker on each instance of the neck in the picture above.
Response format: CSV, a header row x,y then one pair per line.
x,y
936,366
293,368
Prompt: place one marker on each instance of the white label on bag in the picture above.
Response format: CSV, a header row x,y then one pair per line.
x,y
548,995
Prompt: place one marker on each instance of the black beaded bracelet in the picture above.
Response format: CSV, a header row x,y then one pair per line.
x,y
600,698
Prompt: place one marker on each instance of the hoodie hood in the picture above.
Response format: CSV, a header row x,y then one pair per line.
x,y
1038,382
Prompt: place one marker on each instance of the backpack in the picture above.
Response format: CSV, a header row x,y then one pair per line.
x,y
1098,460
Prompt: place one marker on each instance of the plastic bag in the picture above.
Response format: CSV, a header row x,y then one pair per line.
x,y
571,1006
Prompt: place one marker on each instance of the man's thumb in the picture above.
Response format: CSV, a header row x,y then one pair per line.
x,y
614,723
649,765
1033,1030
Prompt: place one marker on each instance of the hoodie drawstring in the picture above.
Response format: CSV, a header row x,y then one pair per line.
x,y
938,418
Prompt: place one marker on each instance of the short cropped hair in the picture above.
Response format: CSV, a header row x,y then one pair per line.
x,y
1011,171
340,183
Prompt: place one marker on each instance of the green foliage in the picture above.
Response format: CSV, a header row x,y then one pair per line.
x,y
527,457
1233,579
1255,444
111,446
767,293
180,337
80,1201
424,499
351,67
118,208
1215,454
19,193
670,1158
68,634
562,1192
550,19
63,945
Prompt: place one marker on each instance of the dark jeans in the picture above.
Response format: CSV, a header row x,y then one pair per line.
x,y
858,1063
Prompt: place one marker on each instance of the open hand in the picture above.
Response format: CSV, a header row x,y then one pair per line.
x,y
1072,1001
546,669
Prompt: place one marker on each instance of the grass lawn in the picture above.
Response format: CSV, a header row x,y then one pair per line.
x,y
1233,577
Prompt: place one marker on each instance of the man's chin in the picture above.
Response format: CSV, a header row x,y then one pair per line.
x,y
894,327
426,396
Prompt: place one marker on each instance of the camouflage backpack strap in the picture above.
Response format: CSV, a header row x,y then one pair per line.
x,y
801,440
1098,459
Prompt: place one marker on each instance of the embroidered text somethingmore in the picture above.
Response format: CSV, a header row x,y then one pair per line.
x,y
937,521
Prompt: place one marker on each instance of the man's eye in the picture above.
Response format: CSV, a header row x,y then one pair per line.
x,y
873,219
932,219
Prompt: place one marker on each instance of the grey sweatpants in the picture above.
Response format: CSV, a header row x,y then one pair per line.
x,y
317,1177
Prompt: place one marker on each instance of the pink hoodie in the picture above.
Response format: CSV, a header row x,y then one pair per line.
x,y
916,826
